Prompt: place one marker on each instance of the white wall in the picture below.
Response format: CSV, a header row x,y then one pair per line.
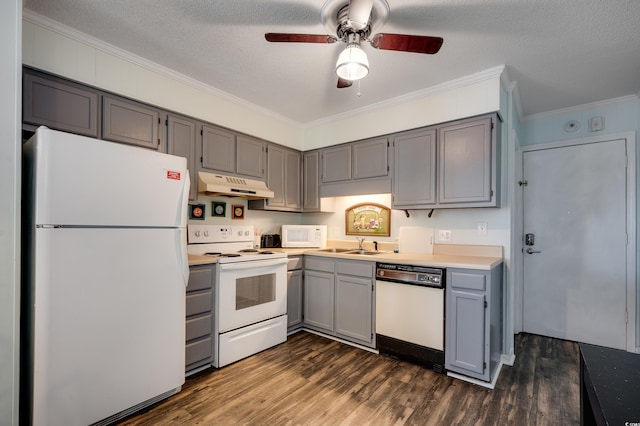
x,y
472,95
10,159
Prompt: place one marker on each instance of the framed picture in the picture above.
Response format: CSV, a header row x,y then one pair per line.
x,y
218,209
237,212
196,211
368,219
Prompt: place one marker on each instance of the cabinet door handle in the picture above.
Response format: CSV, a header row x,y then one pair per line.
x,y
531,251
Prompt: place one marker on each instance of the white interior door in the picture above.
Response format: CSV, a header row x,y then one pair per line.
x,y
574,275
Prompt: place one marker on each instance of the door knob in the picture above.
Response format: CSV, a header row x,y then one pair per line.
x,y
531,251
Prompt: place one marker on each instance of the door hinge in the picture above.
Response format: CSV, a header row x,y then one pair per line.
x,y
201,132
388,169
201,159
486,305
387,143
166,122
484,365
523,183
491,193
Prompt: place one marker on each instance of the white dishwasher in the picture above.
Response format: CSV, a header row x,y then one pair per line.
x,y
410,313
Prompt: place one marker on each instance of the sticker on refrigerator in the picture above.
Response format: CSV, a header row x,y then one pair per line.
x,y
171,174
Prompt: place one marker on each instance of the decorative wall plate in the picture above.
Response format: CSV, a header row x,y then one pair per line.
x,y
368,219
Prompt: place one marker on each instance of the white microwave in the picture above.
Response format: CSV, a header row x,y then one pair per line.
x,y
304,235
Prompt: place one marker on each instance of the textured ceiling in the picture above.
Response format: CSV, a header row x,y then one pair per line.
x,y
561,53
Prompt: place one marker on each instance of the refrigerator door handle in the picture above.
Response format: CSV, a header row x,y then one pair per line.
x,y
184,257
184,202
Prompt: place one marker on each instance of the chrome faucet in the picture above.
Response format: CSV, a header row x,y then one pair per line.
x,y
360,243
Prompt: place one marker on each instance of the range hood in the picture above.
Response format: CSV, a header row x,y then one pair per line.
x,y
232,186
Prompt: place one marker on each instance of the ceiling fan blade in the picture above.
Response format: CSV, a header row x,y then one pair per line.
x,y
407,43
299,38
342,83
359,13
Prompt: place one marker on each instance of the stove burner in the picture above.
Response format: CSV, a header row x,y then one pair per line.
x,y
229,255
266,252
248,251
213,253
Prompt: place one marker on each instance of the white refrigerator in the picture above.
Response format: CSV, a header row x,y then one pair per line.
x,y
104,278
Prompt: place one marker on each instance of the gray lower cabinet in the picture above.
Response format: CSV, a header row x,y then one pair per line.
x,y
284,178
181,141
319,293
294,293
227,152
339,298
132,123
473,335
59,104
199,318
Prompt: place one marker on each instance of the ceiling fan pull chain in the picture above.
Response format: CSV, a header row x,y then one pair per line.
x,y
359,89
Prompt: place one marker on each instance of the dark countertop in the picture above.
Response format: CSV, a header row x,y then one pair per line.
x,y
610,380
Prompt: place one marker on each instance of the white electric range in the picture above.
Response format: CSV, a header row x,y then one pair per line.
x,y
250,291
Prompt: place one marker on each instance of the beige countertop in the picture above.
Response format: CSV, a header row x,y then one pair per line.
x,y
444,256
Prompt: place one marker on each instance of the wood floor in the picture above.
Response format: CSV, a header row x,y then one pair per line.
x,y
311,380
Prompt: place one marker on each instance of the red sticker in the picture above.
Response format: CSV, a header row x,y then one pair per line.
x,y
173,175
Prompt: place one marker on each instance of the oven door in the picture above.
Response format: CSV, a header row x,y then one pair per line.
x,y
250,292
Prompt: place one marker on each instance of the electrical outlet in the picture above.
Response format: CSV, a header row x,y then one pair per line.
x,y
444,235
483,229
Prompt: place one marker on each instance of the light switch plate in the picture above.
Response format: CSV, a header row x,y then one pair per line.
x,y
483,229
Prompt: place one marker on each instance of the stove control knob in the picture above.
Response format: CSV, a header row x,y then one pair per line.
x,y
197,233
206,233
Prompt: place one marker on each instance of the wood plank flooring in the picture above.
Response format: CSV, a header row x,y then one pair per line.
x,y
311,380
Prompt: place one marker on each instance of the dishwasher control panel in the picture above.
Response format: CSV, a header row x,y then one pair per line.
x,y
409,274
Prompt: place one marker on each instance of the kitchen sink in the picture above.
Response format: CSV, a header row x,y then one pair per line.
x,y
365,252
335,250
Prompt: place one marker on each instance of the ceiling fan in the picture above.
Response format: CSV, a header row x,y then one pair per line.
x,y
353,23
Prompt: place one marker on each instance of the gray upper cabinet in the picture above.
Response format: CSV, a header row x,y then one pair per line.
x,y
59,104
370,158
181,141
227,152
293,180
336,163
356,160
448,166
467,160
311,181
414,176
284,179
218,149
250,156
132,123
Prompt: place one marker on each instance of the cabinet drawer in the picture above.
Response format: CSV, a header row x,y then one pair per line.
x,y
199,350
360,269
198,327
319,264
200,278
468,281
294,263
199,303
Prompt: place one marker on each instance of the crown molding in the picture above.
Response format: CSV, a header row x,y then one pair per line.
x,y
583,107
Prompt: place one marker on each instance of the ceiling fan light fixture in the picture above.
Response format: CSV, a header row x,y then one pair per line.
x,y
352,63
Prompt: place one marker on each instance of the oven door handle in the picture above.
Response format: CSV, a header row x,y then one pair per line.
x,y
252,264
